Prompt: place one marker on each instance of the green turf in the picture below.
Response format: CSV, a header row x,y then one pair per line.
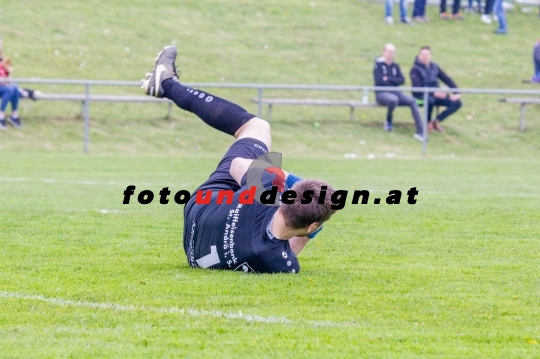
x,y
455,275
82,275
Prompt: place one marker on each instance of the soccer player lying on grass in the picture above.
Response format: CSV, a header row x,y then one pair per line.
x,y
245,237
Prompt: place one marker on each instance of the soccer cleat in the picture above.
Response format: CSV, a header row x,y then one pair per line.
x,y
16,122
3,125
164,69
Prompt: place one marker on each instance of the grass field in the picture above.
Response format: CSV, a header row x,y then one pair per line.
x,y
454,275
82,275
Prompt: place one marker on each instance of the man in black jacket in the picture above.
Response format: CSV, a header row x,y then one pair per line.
x,y
425,73
387,73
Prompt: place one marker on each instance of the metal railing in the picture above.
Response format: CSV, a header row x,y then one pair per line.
x,y
260,93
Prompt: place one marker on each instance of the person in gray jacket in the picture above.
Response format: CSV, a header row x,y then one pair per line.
x,y
387,73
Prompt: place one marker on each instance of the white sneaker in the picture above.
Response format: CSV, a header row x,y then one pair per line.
x,y
389,20
486,19
419,137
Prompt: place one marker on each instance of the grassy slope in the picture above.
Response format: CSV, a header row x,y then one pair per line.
x,y
225,41
453,276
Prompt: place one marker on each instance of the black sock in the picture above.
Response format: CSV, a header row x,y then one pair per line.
x,y
221,114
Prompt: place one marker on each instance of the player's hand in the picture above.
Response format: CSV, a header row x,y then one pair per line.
x,y
439,94
455,97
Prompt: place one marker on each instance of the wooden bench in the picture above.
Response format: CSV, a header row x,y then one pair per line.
x,y
523,102
102,98
352,104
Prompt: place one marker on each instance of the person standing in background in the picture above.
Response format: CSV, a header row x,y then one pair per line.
x,y
470,8
419,11
488,8
389,6
455,11
498,8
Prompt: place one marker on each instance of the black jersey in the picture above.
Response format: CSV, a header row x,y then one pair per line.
x,y
235,237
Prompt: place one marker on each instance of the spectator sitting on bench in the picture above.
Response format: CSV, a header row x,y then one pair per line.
x,y
387,73
425,73
536,59
8,93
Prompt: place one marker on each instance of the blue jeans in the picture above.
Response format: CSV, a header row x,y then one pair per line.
x,y
9,93
451,106
488,8
499,11
419,8
402,8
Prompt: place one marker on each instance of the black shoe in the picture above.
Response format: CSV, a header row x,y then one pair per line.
x,y
16,122
388,126
3,125
164,69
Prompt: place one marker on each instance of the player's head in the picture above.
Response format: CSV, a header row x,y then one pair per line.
x,y
309,216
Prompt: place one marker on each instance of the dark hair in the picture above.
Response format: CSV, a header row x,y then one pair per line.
x,y
425,48
300,215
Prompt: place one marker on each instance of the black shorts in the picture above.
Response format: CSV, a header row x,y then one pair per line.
x,y
221,178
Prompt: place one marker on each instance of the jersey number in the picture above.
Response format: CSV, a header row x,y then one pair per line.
x,y
209,259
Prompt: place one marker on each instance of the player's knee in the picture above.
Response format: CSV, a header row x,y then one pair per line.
x,y
254,126
456,105
262,125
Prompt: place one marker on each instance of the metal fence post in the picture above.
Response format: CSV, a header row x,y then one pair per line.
x,y
86,116
426,114
259,101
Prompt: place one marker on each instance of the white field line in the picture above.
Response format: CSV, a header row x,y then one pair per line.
x,y
90,182
171,310
132,308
